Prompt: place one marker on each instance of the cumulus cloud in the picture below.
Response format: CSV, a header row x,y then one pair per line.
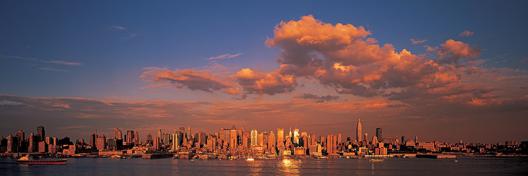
x,y
343,56
189,78
466,33
451,51
252,81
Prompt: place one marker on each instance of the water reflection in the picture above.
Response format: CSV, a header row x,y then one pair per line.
x,y
290,166
255,167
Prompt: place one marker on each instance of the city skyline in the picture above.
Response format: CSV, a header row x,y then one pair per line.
x,y
77,67
235,143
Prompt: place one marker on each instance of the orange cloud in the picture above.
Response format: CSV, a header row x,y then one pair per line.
x,y
189,78
451,51
344,57
264,83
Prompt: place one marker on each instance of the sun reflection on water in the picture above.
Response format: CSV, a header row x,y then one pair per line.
x,y
290,166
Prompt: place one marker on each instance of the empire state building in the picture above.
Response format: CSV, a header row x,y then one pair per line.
x,y
359,131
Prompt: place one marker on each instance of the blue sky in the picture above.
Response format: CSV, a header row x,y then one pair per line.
x,y
148,63
183,34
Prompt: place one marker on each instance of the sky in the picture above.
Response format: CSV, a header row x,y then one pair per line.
x,y
439,70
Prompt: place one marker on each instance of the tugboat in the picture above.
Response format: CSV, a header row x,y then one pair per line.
x,y
27,160
250,159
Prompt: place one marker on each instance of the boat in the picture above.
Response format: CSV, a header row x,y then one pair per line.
x,y
376,160
436,156
27,160
250,159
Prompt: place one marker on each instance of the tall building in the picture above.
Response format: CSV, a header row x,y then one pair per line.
x,y
32,143
156,143
254,138
175,142
118,134
21,137
41,133
160,135
93,138
296,136
330,148
136,138
130,137
271,142
100,142
359,131
11,144
42,147
280,137
260,139
233,139
379,134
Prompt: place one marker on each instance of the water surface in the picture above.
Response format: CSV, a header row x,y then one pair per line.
x,y
415,166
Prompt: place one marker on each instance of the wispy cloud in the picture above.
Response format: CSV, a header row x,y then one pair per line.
x,y
124,30
118,28
10,103
62,62
52,69
45,64
466,33
224,57
318,98
417,41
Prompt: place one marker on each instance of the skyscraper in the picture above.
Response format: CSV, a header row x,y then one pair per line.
x,y
271,142
130,135
118,134
100,142
296,136
233,139
10,144
136,138
93,138
175,142
330,148
32,143
280,138
359,131
41,133
21,137
379,134
254,138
